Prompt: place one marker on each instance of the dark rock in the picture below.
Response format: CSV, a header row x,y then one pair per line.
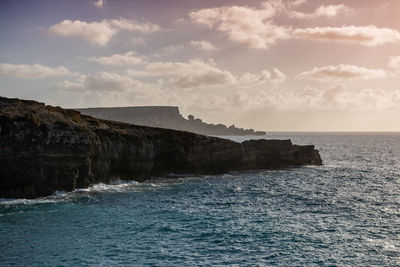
x,y
45,148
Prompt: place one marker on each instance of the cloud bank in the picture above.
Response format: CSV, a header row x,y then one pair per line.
x,y
363,35
243,24
118,59
31,71
342,72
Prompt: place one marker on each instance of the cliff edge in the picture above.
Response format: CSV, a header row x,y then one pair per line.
x,y
165,117
45,148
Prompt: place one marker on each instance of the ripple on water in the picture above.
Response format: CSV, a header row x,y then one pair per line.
x,y
345,213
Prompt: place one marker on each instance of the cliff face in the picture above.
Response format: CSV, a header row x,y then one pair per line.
x,y
165,117
44,149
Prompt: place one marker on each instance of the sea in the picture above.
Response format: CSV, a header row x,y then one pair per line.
x,y
344,213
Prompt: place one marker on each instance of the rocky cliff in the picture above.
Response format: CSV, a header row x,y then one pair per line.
x,y
165,117
45,148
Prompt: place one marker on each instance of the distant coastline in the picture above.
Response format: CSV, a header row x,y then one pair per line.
x,y
167,117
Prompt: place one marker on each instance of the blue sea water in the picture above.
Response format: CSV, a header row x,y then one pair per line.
x,y
345,213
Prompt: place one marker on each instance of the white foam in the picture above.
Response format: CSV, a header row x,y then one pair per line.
x,y
23,201
58,196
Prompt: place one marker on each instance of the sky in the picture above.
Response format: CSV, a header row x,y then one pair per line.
x,y
294,65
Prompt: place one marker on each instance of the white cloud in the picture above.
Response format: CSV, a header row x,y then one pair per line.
x,y
69,86
322,11
274,76
31,71
364,35
197,73
194,73
394,62
204,45
173,49
118,59
298,2
133,25
246,25
99,33
342,72
141,73
256,27
331,10
99,3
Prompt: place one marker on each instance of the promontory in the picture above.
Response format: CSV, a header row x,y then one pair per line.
x,y
45,148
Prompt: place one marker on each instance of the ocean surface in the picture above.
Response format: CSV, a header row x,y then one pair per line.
x,y
344,213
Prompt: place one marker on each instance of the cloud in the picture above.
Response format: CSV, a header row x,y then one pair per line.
x,y
105,81
99,3
322,11
173,49
101,81
394,62
99,33
331,10
31,71
298,2
204,45
118,59
364,35
194,73
342,72
250,26
137,41
274,76
339,97
113,89
133,25
335,98
198,73
257,29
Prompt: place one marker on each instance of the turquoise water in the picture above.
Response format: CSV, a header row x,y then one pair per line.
x,y
344,213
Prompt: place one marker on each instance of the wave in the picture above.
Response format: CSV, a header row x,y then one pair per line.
x,y
60,196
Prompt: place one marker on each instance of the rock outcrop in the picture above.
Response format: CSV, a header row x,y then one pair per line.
x,y
165,117
45,148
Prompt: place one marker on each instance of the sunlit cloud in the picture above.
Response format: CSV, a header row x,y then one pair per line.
x,y
363,35
342,72
172,49
328,11
246,25
274,76
128,58
394,62
204,45
198,73
133,25
99,33
194,73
